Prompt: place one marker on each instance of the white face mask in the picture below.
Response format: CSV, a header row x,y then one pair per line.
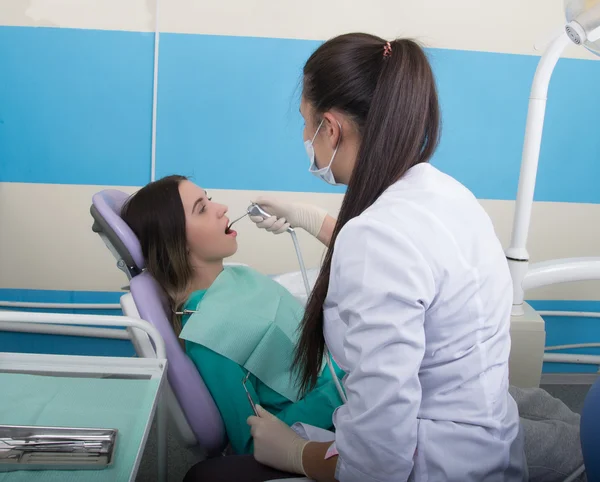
x,y
324,173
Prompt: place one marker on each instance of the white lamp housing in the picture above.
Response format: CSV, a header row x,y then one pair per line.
x,y
583,27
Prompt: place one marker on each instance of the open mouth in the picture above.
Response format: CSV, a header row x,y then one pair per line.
x,y
229,231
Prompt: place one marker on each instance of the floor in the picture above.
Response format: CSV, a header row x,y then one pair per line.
x,y
181,459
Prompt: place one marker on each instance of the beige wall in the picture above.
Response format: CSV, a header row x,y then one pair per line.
x,y
47,241
508,26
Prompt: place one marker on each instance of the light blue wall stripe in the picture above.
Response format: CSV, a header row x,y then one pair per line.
x,y
58,296
229,112
484,99
63,345
562,330
75,107
559,330
232,111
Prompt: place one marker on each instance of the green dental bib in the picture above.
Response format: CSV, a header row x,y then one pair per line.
x,y
253,321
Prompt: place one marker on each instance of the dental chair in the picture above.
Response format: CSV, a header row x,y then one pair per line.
x,y
192,410
191,407
116,234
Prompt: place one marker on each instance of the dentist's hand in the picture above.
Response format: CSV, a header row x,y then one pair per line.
x,y
276,444
297,215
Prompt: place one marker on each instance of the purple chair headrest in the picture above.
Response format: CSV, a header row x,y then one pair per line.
x,y
106,211
189,388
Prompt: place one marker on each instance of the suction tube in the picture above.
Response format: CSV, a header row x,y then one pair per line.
x,y
256,210
338,385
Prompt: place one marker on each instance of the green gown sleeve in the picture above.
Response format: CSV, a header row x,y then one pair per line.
x,y
317,406
224,381
223,378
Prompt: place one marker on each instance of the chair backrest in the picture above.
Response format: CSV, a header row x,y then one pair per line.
x,y
118,236
186,383
590,432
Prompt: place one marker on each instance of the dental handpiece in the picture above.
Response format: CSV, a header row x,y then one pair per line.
x,y
255,210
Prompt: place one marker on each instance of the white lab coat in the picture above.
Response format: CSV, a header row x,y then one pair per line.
x,y
418,315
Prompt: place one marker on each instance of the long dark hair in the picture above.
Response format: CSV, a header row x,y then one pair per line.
x,y
389,92
156,215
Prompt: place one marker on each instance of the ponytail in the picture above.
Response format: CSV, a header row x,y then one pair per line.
x,y
388,90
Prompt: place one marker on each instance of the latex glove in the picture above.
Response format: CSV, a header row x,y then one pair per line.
x,y
297,215
276,444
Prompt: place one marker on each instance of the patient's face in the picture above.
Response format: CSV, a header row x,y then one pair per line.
x,y
205,225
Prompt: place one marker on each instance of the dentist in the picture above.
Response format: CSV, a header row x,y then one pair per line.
x,y
414,296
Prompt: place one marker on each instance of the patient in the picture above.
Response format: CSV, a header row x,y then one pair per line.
x,y
234,320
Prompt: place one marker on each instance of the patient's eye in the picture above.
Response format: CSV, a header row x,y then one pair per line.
x,y
204,206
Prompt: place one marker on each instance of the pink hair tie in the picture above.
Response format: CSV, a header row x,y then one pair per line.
x,y
387,49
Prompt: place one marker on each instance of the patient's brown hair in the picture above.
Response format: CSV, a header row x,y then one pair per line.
x,y
156,215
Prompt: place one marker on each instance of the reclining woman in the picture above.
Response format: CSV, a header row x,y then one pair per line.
x,y
235,321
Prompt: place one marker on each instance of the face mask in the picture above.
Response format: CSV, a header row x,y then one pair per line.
x,y
324,173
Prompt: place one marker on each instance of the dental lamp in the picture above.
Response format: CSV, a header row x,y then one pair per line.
x,y
582,28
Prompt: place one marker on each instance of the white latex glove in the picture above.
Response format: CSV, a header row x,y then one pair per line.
x,y
276,444
297,215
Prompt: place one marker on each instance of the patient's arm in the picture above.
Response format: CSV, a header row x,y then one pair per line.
x,y
223,378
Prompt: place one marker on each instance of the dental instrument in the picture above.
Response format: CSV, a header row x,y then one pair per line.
x,y
235,221
255,210
42,448
252,404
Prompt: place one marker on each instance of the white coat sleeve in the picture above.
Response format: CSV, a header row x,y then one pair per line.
x,y
384,286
